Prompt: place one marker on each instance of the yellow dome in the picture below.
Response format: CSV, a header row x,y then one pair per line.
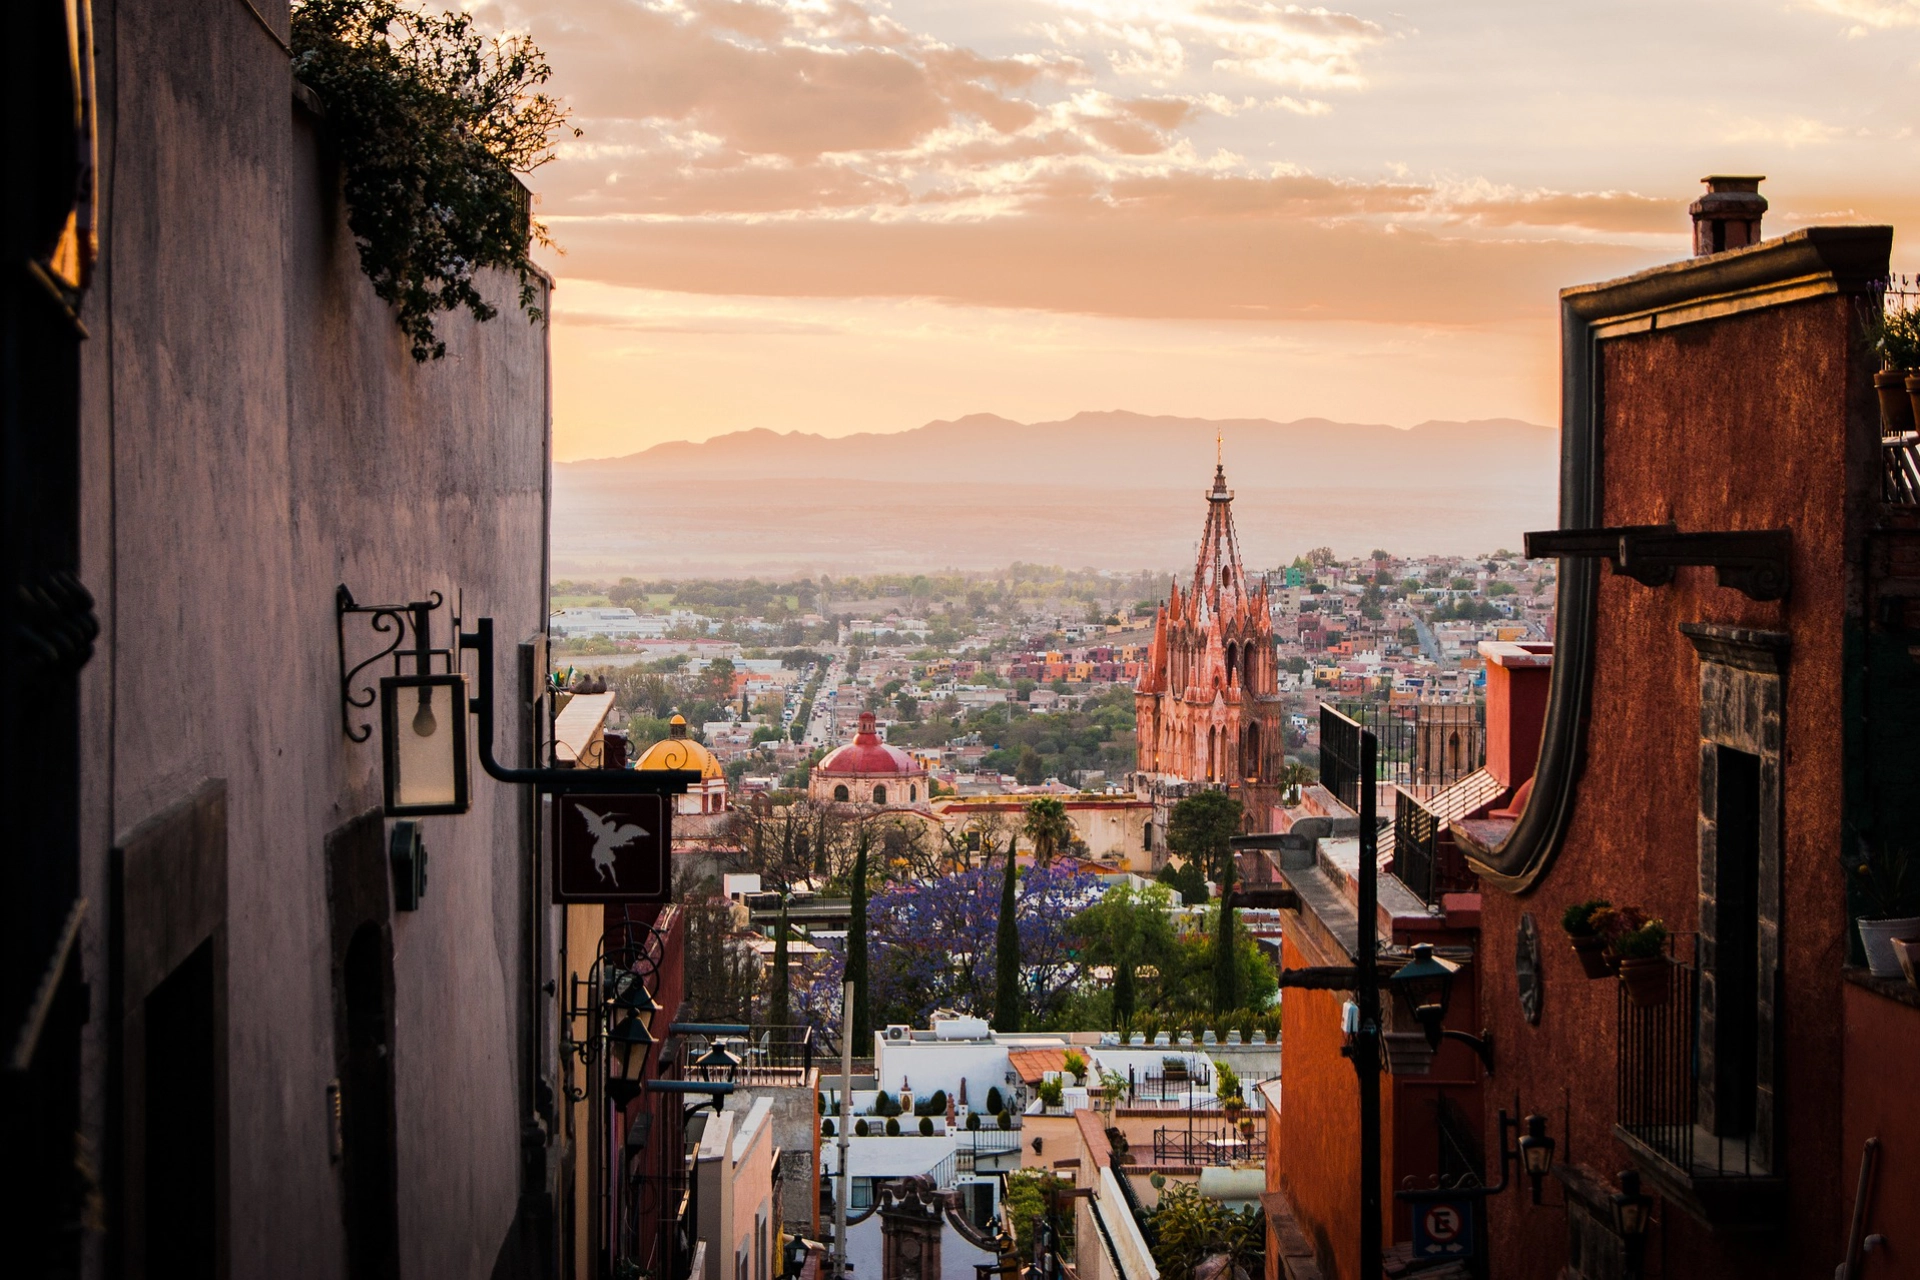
x,y
678,751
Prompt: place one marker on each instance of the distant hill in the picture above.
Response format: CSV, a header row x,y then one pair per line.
x,y
1108,490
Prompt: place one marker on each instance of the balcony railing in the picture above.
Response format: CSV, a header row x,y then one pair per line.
x,y
1658,1084
1425,858
1210,1145
1420,744
767,1056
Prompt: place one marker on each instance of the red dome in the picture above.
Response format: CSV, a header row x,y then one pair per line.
x,y
867,754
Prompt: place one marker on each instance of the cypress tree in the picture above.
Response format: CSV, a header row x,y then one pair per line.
x,y
1226,960
860,1022
779,1005
1123,979
1006,955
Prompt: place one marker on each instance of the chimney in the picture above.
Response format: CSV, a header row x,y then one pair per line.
x,y
1728,216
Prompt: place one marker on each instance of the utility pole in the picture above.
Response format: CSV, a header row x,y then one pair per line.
x,y
1366,1041
843,1191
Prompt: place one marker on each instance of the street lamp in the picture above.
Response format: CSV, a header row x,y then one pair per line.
x,y
1536,1152
1425,988
1631,1209
627,1045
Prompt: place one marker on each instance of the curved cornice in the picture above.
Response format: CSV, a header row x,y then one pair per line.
x,y
1812,262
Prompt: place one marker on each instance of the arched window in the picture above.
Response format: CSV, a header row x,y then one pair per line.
x,y
1232,657
1226,577
913,793
879,795
840,793
1253,752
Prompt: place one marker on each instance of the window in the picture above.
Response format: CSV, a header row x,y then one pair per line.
x,y
840,793
913,793
880,795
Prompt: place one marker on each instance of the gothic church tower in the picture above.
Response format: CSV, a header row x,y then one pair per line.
x,y
1207,705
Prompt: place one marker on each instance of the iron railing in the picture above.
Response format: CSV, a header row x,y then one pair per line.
x,y
1425,859
1658,1081
1421,744
1210,1145
1161,1086
1340,756
766,1056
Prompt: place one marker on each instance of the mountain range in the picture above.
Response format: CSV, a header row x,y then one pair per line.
x,y
1110,490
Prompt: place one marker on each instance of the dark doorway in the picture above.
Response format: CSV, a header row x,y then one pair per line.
x,y
1735,956
181,1164
370,1158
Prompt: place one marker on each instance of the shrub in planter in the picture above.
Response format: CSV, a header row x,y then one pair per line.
x,y
826,1128
893,1126
995,1103
1895,337
861,1129
1640,942
1051,1094
973,1121
926,1126
1577,920
1075,1065
1006,1120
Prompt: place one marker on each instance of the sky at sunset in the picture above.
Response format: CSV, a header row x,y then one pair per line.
x,y
848,215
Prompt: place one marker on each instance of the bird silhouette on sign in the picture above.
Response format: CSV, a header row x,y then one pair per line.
x,y
608,835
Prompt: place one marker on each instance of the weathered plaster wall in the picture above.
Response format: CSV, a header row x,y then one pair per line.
x,y
1740,423
1318,1155
1879,1104
255,433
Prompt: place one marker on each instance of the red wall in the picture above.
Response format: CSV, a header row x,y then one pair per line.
x,y
1735,424
1882,1055
1319,1153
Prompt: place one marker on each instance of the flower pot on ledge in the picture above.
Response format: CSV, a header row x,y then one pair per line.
x,y
1896,407
1648,980
1877,937
1595,960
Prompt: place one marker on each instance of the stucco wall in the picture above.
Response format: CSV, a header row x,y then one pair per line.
x,y
1740,423
1879,1104
1317,1159
254,434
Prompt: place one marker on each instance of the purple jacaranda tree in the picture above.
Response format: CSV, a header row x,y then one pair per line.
x,y
930,945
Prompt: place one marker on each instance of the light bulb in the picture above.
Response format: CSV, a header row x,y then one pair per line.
x,y
423,722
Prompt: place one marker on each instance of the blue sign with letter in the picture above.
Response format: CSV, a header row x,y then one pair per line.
x,y
1443,1228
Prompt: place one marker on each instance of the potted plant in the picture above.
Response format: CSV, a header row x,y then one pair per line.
x,y
1051,1095
1640,942
1895,336
1577,920
1884,891
1075,1065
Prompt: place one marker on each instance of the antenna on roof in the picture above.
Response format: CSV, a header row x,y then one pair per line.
x,y
1218,459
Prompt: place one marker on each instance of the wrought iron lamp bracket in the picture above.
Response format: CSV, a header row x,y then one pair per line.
x,y
409,625
1754,562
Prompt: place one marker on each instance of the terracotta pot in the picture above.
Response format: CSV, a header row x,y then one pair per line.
x,y
1877,937
1648,980
1896,407
1595,960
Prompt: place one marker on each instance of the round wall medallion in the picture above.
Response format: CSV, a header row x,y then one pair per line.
x,y
1526,968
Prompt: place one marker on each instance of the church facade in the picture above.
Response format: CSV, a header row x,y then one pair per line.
x,y
1207,705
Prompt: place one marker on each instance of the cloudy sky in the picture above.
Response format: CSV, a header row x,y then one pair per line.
x,y
856,215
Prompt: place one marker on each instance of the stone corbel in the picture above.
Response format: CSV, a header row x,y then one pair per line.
x,y
1752,562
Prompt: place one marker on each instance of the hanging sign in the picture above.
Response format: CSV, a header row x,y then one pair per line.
x,y
1443,1228
612,848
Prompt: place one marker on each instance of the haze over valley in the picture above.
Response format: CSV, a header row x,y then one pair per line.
x,y
1104,490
